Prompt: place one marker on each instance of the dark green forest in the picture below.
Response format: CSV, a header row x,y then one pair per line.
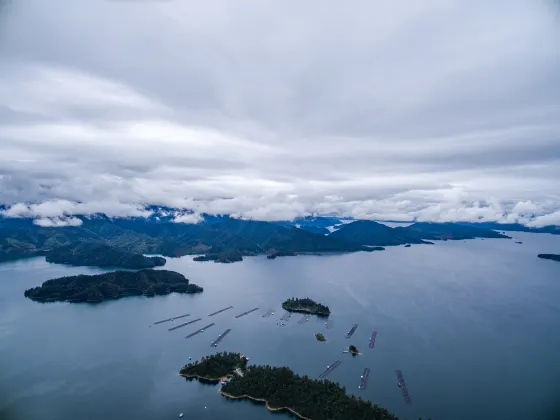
x,y
101,255
314,399
215,366
306,305
114,285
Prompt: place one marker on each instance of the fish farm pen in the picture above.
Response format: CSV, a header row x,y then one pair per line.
x,y
247,312
220,337
220,311
171,319
329,369
184,324
199,331
352,331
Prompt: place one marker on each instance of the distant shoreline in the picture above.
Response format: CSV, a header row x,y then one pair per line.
x,y
262,400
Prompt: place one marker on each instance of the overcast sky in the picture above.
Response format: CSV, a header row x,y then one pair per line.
x,y
384,109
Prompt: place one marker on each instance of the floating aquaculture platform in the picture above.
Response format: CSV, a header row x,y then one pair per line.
x,y
329,324
352,330
247,312
372,339
403,387
184,324
268,313
304,319
220,337
199,331
171,319
286,316
330,368
364,379
220,311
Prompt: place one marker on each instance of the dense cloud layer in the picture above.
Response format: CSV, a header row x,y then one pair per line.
x,y
436,110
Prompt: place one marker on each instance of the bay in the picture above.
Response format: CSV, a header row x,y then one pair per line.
x,y
473,325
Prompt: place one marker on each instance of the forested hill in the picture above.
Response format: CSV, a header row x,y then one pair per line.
x,y
100,254
100,240
366,232
20,238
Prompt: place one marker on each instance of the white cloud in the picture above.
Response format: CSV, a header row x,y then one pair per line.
x,y
440,110
189,218
57,221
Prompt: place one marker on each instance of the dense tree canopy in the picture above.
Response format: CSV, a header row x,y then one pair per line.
x,y
117,284
314,399
305,305
215,366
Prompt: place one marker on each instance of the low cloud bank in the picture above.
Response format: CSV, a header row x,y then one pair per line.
x,y
56,213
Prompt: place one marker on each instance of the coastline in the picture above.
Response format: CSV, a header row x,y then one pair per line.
x,y
202,377
262,400
305,311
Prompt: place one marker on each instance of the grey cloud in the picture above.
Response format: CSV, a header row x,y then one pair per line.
x,y
436,110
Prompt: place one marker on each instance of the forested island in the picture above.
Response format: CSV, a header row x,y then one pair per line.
x,y
320,337
283,390
114,285
215,367
226,257
307,306
553,257
100,255
273,253
353,350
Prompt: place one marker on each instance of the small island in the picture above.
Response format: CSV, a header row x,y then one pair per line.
x,y
320,337
273,253
114,285
225,257
280,389
353,350
215,367
553,257
307,306
101,255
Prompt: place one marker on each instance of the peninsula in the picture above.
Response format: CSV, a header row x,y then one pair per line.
x,y
114,285
215,367
307,306
101,255
553,257
280,389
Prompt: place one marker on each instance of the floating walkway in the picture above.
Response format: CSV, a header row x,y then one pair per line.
x,y
329,324
268,313
286,316
199,331
184,325
222,335
372,339
304,319
330,368
247,312
171,319
403,387
220,311
352,330
364,379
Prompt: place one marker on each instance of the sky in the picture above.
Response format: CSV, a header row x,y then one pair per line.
x,y
439,110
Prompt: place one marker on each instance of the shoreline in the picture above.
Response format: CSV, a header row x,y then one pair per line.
x,y
302,310
262,400
202,377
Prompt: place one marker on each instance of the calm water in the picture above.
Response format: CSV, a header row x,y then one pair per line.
x,y
474,326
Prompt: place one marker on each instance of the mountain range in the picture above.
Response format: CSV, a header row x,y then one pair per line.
x,y
103,241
